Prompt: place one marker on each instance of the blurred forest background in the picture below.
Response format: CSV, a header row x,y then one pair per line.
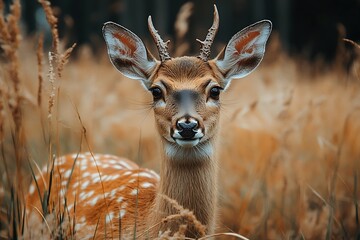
x,y
306,27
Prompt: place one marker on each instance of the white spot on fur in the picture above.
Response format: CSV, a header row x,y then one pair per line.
x,y
146,185
31,189
93,201
118,167
109,217
112,161
69,207
86,174
84,161
113,192
122,213
143,174
124,205
85,184
67,173
114,177
62,193
85,195
96,178
126,165
155,174
104,178
135,192
64,183
60,161
78,226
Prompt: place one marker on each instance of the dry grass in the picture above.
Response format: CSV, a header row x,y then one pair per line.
x,y
289,146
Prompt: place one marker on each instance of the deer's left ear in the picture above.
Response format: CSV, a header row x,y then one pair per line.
x,y
244,51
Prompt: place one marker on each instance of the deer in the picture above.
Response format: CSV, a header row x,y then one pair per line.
x,y
113,195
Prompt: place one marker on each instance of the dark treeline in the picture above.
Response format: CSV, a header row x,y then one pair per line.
x,y
309,27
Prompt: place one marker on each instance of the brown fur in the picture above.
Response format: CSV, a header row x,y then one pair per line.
x,y
184,69
194,187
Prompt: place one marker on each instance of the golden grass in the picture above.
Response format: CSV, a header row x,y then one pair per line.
x,y
289,146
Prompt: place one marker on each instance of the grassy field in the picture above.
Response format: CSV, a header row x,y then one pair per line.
x,y
289,148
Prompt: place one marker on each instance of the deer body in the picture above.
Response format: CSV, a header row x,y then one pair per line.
x,y
116,197
103,190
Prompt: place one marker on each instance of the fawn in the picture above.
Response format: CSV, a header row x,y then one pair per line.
x,y
115,197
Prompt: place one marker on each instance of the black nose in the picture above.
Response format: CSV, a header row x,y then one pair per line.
x,y
186,128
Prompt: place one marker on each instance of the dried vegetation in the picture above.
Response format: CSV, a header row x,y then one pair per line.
x,y
289,144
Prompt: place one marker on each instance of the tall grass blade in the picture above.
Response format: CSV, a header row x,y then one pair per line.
x,y
96,227
36,182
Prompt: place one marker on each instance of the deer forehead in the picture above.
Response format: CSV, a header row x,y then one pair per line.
x,y
185,73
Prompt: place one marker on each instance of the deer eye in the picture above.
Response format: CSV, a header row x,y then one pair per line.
x,y
215,92
157,93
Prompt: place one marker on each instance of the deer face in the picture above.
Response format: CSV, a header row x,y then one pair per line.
x,y
186,90
186,101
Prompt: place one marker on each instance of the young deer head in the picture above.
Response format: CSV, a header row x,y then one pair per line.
x,y
186,90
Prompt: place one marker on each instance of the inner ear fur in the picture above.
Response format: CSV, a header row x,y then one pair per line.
x,y
128,53
244,51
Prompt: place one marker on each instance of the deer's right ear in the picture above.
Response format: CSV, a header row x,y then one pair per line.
x,y
128,53
244,51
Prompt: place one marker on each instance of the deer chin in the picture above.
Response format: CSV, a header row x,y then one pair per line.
x,y
187,143
199,152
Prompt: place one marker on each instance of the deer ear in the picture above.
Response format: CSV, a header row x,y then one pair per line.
x,y
128,53
244,51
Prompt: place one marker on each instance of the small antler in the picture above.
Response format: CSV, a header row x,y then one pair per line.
x,y
161,45
206,44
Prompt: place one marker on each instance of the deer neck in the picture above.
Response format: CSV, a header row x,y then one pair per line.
x,y
188,176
